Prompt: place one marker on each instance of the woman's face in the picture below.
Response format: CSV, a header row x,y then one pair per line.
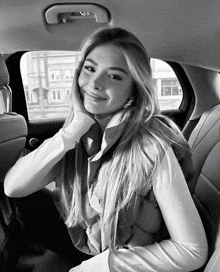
x,y
105,81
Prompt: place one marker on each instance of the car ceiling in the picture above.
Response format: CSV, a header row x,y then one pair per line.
x,y
176,30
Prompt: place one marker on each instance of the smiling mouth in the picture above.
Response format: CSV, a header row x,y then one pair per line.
x,y
94,97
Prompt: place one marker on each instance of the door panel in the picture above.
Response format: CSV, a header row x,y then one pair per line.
x,y
38,132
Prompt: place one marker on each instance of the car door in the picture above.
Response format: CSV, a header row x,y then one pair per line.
x,y
39,129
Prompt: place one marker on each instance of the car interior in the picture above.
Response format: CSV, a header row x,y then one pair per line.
x,y
185,35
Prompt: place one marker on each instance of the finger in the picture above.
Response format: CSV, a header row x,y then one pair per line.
x,y
79,67
76,98
77,73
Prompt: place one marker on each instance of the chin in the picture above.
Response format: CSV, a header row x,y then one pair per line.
x,y
92,109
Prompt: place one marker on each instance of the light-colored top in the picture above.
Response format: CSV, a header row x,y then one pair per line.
x,y
186,250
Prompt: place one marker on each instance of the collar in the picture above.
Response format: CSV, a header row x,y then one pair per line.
x,y
96,144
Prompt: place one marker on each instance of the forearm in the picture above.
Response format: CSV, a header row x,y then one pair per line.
x,y
35,170
165,256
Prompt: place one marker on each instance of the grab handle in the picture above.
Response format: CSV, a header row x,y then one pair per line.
x,y
59,13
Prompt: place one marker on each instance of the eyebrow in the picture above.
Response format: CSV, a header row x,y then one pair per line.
x,y
111,68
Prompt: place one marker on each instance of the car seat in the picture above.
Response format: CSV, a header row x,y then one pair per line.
x,y
205,144
13,131
13,127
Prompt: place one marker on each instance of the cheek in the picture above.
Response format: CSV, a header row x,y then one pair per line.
x,y
119,98
124,93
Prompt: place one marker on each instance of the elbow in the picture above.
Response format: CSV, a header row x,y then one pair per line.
x,y
193,256
9,186
204,255
11,192
8,189
13,183
203,252
200,257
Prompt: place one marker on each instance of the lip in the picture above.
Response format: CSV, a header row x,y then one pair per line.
x,y
94,97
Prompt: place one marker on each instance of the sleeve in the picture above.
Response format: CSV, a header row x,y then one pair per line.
x,y
186,250
37,169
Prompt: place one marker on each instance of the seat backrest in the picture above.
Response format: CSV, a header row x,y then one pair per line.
x,y
13,127
205,144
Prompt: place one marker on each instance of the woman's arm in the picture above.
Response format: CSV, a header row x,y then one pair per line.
x,y
36,170
186,250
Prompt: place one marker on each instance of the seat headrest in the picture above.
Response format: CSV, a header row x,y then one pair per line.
x,y
4,75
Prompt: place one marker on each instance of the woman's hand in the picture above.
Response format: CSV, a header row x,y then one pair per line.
x,y
79,120
76,96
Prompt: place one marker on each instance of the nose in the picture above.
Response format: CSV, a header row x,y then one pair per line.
x,y
97,82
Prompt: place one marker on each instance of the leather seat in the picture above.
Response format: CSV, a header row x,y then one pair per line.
x,y
13,132
13,127
205,144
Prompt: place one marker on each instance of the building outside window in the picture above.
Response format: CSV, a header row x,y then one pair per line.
x,y
170,87
56,95
68,74
47,78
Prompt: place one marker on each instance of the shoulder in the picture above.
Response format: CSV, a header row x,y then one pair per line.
x,y
159,126
155,135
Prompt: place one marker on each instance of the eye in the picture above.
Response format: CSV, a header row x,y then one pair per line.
x,y
115,77
89,68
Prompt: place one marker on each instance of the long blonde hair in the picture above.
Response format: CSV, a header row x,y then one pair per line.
x,y
137,157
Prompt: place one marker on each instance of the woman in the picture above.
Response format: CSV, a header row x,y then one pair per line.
x,y
119,185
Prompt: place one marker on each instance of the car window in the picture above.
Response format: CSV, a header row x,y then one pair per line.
x,y
166,85
47,78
